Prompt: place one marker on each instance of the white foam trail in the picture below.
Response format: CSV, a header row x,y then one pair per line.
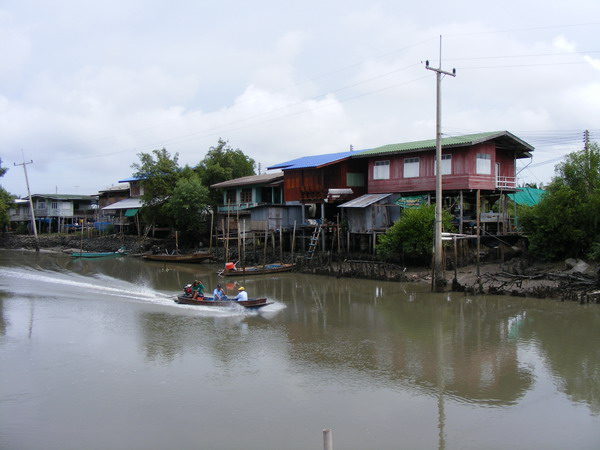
x,y
131,291
139,293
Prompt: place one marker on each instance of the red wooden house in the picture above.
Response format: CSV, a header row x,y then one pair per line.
x,y
483,163
323,180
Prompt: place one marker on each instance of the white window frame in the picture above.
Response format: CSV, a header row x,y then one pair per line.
x,y
484,164
446,165
381,170
412,167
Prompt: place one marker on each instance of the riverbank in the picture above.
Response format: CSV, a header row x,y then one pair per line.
x,y
572,280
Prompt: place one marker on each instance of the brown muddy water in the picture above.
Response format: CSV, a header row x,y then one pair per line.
x,y
94,354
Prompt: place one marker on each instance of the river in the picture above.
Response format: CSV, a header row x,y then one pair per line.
x,y
94,354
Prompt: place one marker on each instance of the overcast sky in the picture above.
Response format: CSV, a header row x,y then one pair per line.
x,y
86,86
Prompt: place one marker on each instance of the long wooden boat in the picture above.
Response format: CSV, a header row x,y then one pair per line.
x,y
257,270
97,254
189,258
209,301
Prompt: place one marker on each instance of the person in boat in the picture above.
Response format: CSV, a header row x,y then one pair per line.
x,y
219,294
197,289
242,294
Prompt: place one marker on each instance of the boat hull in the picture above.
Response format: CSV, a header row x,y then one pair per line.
x,y
96,255
208,301
193,258
258,270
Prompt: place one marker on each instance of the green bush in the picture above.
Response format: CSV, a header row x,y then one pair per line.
x,y
410,239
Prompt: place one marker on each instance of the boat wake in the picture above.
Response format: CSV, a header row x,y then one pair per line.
x,y
30,282
71,283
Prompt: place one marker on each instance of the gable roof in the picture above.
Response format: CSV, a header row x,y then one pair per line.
x,y
504,138
265,178
316,161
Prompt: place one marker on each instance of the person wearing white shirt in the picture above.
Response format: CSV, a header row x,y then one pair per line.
x,y
242,294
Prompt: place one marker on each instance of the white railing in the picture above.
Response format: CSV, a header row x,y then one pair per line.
x,y
506,182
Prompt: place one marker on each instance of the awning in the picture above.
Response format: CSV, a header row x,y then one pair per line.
x,y
364,200
131,212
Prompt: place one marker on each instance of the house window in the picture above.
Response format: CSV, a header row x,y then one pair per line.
x,y
484,164
355,179
230,197
41,204
246,196
381,170
411,167
446,165
54,205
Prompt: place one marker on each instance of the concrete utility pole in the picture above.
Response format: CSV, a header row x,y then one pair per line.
x,y
439,282
24,164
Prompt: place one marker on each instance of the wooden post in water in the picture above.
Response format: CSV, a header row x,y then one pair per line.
x,y
455,259
293,241
239,237
478,230
338,233
212,224
281,243
462,213
327,439
266,239
243,254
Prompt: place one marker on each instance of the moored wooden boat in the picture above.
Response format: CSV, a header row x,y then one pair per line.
x,y
256,270
188,258
97,254
209,301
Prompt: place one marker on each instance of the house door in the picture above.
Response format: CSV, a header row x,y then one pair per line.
x,y
497,174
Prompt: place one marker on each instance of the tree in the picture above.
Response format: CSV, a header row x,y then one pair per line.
x,y
159,173
223,163
5,201
411,237
188,204
566,222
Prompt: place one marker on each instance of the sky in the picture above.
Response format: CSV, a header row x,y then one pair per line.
x,y
85,87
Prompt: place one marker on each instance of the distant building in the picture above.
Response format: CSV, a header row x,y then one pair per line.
x,y
55,212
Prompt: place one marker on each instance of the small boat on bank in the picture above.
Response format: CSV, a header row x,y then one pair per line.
x,y
119,252
251,303
231,271
188,258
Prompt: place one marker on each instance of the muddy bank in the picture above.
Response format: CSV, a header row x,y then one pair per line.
x,y
69,243
572,280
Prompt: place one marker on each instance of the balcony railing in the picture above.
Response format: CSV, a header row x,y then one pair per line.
x,y
506,182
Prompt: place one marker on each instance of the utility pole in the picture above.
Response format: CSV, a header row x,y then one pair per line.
x,y
24,164
439,282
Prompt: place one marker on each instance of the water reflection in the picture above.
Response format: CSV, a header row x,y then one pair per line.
x,y
389,344
563,338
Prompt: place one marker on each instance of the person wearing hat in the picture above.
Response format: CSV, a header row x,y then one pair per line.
x,y
218,293
242,294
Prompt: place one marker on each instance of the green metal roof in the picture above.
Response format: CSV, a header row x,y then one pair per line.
x,y
449,142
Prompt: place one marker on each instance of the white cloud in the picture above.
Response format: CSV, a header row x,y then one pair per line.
x,y
86,91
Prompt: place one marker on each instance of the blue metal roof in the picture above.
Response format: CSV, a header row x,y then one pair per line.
x,y
315,161
127,180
